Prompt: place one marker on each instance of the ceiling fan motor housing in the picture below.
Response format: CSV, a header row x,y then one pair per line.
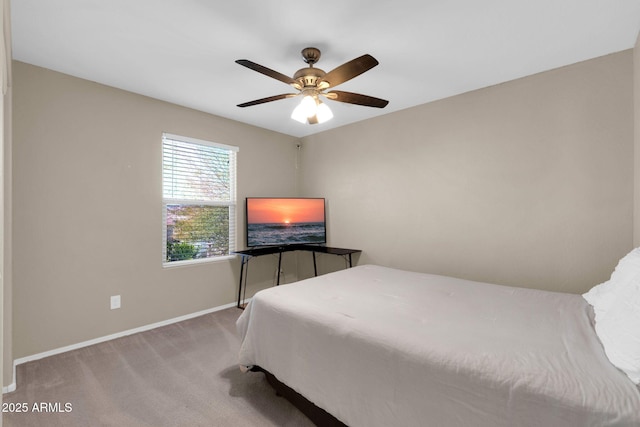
x,y
308,77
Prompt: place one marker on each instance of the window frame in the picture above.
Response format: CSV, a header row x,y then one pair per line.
x,y
231,203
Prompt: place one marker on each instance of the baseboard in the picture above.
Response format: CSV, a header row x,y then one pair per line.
x,y
12,387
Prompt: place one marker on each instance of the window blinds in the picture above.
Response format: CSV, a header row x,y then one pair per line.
x,y
198,171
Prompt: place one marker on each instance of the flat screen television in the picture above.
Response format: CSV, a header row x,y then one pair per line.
x,y
285,221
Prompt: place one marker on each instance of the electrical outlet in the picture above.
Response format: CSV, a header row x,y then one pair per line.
x,y
115,302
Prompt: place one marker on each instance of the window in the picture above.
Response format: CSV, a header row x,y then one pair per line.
x,y
198,200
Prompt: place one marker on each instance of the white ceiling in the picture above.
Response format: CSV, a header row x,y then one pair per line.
x,y
183,51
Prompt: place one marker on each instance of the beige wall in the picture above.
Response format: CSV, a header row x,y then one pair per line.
x,y
87,208
528,183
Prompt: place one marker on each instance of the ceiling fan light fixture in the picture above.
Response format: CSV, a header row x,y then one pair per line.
x,y
309,105
299,114
323,113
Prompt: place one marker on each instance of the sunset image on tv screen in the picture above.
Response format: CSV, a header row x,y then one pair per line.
x,y
274,221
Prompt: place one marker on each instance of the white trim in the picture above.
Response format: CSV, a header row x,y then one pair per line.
x,y
186,262
181,138
12,387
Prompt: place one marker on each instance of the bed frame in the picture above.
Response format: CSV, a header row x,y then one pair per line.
x,y
318,416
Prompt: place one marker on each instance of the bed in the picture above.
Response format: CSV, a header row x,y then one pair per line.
x,y
375,346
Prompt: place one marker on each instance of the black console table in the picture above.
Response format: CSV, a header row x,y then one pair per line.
x,y
247,254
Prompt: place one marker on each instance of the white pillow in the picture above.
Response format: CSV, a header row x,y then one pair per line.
x,y
602,296
619,330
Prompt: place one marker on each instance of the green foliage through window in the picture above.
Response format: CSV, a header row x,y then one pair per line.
x,y
204,228
180,251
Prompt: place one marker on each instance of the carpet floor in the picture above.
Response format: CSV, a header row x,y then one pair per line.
x,y
184,374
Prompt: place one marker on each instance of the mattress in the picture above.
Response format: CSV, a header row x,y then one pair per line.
x,y
376,346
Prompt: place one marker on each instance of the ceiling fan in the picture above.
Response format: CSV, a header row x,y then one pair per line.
x,y
312,83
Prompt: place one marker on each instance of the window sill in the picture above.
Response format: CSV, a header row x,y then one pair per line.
x,y
191,262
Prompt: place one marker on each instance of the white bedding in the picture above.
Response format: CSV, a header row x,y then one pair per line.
x,y
381,347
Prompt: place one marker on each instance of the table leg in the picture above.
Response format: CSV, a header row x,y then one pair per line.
x,y
279,265
242,262
315,269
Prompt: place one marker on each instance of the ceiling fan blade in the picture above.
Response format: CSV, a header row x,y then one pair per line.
x,y
356,98
269,72
268,99
347,71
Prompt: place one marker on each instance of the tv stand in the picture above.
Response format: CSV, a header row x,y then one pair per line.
x,y
247,254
